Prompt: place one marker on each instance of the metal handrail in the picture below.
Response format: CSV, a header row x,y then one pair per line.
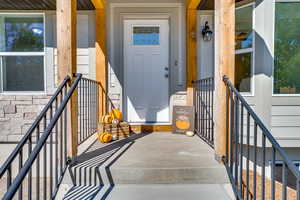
x,y
26,137
42,141
235,105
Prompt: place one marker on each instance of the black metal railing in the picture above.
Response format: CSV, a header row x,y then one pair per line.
x,y
251,153
88,108
203,98
24,150
37,165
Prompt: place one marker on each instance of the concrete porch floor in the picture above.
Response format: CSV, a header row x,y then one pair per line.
x,y
149,166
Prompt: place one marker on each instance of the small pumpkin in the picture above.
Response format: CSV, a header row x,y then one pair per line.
x,y
105,137
116,114
106,119
190,133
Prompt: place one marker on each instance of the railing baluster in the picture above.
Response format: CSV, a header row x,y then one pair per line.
x,y
273,159
30,171
45,163
20,167
38,165
284,181
56,147
236,138
51,156
231,131
241,148
255,160
263,166
248,155
9,175
227,126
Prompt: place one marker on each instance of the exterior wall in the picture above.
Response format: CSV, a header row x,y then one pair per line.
x,y
281,114
116,14
18,111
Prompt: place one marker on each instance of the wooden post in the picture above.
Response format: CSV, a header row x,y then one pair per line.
x,y
66,15
101,60
191,49
225,58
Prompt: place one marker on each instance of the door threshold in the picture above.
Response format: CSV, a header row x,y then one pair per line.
x,y
150,128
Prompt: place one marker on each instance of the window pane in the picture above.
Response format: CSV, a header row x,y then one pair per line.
x,y
23,73
243,72
287,49
243,28
21,33
145,35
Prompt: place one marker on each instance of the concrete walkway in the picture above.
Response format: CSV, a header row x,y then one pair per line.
x,y
149,166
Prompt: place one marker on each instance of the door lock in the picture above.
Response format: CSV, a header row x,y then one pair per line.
x,y
166,75
167,68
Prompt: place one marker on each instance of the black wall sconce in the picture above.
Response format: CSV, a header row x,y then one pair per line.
x,y
206,32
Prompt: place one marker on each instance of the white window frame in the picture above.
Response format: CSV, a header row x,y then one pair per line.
x,y
249,50
42,53
273,64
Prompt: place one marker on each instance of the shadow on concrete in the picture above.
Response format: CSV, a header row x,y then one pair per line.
x,y
88,170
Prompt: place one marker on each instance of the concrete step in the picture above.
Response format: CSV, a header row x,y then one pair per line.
x,y
152,192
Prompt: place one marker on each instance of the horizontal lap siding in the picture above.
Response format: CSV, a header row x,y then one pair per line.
x,y
286,124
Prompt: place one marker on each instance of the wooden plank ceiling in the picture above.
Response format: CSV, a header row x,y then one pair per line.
x,y
40,5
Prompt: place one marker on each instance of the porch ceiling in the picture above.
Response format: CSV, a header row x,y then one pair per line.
x,y
40,5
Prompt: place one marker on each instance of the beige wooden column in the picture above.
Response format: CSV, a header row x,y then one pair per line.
x,y
101,56
191,49
66,11
225,58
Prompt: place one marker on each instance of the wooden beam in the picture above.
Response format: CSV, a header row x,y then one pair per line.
x,y
225,58
101,59
98,4
192,4
66,15
191,53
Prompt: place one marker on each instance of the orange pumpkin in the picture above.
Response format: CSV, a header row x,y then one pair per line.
x,y
106,119
116,114
105,137
182,122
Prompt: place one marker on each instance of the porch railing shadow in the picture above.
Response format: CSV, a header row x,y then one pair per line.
x,y
90,168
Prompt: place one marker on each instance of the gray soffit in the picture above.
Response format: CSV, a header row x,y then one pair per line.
x,y
40,5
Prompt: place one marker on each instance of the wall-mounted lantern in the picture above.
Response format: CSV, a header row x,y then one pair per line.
x,y
206,32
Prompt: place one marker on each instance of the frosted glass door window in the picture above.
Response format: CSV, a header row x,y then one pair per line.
x,y
146,35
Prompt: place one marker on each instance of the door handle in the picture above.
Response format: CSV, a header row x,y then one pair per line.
x,y
167,68
166,75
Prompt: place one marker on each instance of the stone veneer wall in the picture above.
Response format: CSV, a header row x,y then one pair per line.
x,y
17,113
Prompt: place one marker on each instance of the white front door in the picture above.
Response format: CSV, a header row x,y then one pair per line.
x,y
146,71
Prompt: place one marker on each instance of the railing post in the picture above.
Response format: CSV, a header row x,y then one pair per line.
x,y
66,13
224,65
